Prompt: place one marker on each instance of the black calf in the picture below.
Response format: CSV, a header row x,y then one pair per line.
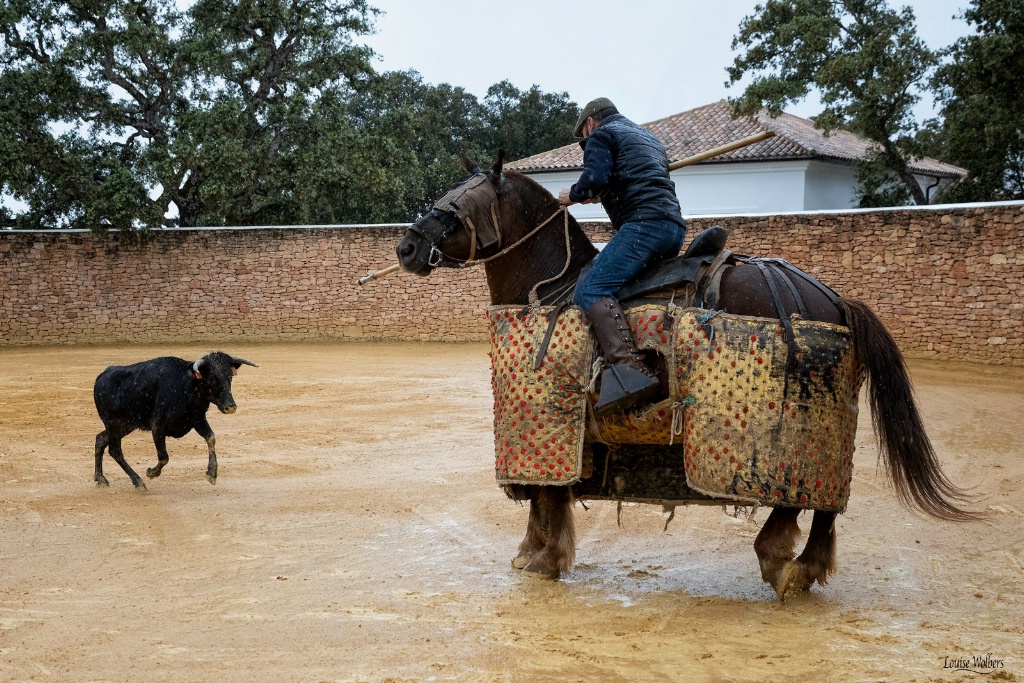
x,y
167,396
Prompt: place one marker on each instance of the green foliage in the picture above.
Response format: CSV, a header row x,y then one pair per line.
x,y
863,58
527,123
117,113
383,153
112,110
981,91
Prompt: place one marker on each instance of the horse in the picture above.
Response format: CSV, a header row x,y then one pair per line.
x,y
533,251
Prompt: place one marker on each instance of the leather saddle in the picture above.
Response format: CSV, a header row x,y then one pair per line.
x,y
677,272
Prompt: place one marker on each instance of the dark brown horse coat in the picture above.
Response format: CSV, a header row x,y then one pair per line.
x,y
538,258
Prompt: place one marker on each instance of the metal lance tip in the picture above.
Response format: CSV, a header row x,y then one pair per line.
x,y
380,273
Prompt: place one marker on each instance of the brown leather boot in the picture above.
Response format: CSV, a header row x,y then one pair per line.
x,y
627,381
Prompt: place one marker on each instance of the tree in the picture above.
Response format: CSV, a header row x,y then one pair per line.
x,y
383,154
76,76
868,65
112,111
263,66
526,122
136,114
981,92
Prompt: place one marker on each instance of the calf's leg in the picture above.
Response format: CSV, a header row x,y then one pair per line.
x,y
102,439
160,441
118,456
204,430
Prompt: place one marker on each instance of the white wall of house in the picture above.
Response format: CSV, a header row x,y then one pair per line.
x,y
774,186
757,187
829,187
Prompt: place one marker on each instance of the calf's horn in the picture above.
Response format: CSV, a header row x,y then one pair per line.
x,y
242,361
195,366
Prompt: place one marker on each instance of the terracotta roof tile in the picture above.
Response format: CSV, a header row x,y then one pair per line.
x,y
697,130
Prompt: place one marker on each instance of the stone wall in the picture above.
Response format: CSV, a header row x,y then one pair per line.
x,y
946,280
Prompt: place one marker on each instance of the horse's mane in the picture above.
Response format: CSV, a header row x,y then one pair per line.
x,y
535,197
544,256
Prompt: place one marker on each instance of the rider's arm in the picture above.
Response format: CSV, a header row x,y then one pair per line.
x,y
597,168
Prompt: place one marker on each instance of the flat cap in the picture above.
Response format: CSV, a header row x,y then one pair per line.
x,y
593,107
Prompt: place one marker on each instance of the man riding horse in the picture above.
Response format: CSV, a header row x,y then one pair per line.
x,y
625,167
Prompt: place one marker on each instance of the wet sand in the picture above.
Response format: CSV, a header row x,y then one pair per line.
x,y
356,534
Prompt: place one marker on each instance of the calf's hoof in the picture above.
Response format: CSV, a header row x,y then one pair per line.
x,y
212,478
152,472
140,486
101,480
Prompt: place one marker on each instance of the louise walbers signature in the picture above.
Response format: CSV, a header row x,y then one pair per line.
x,y
979,664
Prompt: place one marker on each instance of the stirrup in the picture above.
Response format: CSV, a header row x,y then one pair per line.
x,y
622,387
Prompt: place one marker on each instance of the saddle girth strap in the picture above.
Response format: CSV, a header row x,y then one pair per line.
x,y
787,324
780,307
708,275
800,307
829,293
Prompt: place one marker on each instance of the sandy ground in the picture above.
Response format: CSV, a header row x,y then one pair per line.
x,y
356,533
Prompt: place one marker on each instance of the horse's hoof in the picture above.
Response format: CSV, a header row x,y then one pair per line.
x,y
522,559
212,479
535,570
793,579
543,576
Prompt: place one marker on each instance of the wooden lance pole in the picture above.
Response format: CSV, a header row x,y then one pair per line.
x,y
688,161
380,273
728,147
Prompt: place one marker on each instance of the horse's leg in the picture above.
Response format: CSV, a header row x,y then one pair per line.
x,y
816,562
559,551
536,535
774,545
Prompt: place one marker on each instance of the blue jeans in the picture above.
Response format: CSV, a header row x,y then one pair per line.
x,y
629,252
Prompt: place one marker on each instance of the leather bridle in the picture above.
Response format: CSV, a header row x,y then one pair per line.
x,y
451,223
437,258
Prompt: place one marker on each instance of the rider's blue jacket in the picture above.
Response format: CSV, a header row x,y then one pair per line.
x,y
626,166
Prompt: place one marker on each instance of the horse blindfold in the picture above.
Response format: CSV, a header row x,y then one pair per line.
x,y
474,203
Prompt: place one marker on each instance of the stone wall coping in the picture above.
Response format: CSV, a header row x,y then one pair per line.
x,y
223,228
839,212
711,216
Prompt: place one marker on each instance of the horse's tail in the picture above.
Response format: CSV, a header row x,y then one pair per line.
x,y
910,461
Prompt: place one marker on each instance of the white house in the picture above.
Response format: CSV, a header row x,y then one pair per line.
x,y
800,169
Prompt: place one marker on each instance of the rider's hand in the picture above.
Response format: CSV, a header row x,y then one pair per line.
x,y
563,197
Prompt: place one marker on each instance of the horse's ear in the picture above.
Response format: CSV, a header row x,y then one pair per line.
x,y
496,169
470,165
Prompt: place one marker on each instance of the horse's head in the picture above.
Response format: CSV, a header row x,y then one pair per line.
x,y
461,226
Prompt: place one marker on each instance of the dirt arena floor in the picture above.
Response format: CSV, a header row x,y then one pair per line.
x,y
356,534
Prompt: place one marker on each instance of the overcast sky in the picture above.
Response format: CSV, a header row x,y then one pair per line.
x,y
651,58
